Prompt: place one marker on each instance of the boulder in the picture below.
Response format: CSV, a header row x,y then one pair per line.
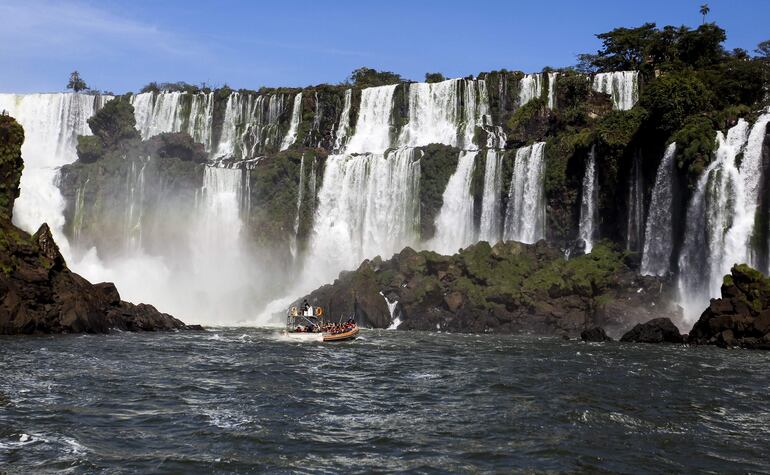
x,y
595,334
658,330
741,317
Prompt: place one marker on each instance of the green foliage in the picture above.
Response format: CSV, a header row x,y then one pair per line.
x,y
434,77
179,86
368,77
673,97
695,145
76,83
526,113
648,48
114,123
763,49
622,48
618,128
175,145
90,148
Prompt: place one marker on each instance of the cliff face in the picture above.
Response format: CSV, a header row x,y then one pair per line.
x,y
11,164
508,288
38,294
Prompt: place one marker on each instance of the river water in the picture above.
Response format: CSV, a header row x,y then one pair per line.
x,y
245,400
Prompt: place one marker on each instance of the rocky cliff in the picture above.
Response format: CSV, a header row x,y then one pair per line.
x,y
38,293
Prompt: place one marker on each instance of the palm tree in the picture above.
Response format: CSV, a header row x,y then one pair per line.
x,y
704,10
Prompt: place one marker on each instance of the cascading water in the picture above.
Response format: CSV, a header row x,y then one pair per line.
x,y
135,206
51,124
552,90
296,116
622,86
300,193
659,233
447,112
374,126
368,206
454,223
589,211
635,206
525,216
164,112
490,224
343,126
251,125
719,218
530,87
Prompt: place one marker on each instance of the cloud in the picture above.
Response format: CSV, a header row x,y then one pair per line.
x,y
46,28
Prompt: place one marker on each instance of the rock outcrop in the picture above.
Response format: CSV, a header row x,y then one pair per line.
x,y
595,335
741,317
38,293
658,330
507,288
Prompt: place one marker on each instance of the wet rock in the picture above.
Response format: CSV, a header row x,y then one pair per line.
x,y
658,330
741,317
595,334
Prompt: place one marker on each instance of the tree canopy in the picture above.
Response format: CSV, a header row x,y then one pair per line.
x,y
76,83
368,77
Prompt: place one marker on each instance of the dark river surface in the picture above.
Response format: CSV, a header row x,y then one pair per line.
x,y
245,400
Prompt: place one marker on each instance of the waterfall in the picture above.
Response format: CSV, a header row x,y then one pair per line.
x,y
530,87
552,90
454,223
251,125
373,127
51,124
711,243
343,126
392,307
622,86
300,192
155,113
489,227
635,206
659,233
296,116
525,216
135,205
199,122
496,137
368,205
164,112
589,211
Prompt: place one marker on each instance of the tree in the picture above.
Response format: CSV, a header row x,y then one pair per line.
x,y
704,10
76,83
434,77
763,49
368,77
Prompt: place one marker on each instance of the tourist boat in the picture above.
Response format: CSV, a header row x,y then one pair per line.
x,y
307,325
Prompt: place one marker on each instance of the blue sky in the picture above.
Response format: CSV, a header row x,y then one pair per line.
x,y
120,46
